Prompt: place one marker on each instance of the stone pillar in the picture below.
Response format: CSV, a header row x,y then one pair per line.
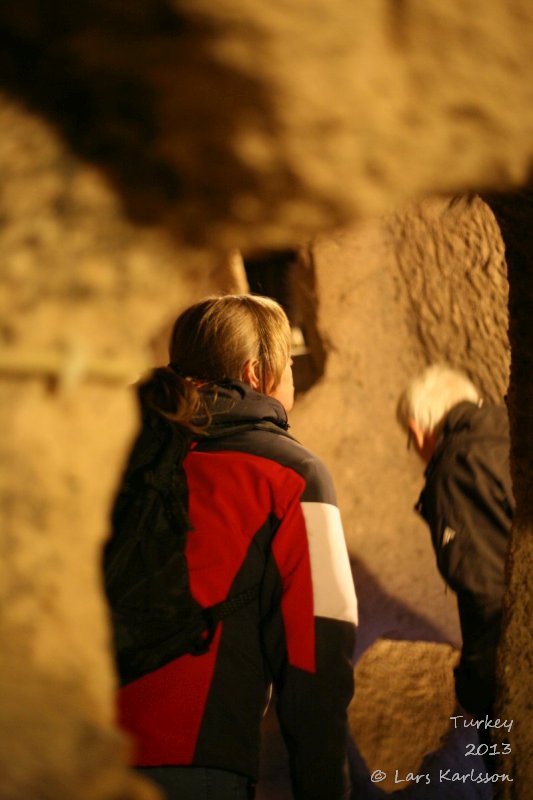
x,y
515,217
82,291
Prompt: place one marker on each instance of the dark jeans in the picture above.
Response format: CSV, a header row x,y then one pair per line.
x,y
199,783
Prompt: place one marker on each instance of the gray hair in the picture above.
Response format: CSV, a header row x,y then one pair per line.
x,y
428,397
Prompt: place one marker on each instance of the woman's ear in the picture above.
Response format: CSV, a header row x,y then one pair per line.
x,y
416,435
250,373
424,441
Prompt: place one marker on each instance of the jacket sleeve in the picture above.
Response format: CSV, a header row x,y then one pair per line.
x,y
459,518
309,637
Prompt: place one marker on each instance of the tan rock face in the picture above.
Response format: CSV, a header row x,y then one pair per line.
x,y
59,453
248,126
79,301
407,686
394,294
454,279
515,217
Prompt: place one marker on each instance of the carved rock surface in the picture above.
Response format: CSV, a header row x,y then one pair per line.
x,y
409,685
392,294
515,217
82,292
248,125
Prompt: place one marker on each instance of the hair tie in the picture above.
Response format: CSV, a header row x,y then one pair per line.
x,y
183,375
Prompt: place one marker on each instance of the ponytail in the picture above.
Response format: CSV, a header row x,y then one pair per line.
x,y
211,342
175,398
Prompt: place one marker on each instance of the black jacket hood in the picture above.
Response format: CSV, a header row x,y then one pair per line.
x,y
236,403
469,419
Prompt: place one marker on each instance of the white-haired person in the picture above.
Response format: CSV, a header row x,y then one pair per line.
x,y
265,543
467,502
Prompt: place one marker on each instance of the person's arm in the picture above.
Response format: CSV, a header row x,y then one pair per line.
x,y
309,638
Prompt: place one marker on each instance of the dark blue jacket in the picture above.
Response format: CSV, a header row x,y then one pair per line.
x,y
468,504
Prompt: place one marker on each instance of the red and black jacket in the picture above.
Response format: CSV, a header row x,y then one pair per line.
x,y
263,511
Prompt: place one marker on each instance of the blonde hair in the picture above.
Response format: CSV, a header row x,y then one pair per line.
x,y
428,397
211,342
214,339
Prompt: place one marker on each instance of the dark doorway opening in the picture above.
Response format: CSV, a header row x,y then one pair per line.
x,y
280,274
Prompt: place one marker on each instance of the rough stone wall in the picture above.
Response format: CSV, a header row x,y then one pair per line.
x,y
515,217
82,291
302,115
453,272
393,294
423,679
131,133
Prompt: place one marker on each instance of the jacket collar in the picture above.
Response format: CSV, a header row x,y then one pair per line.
x,y
234,402
461,417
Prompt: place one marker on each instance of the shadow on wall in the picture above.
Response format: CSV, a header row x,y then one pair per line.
x,y
448,755
130,87
405,653
436,771
384,616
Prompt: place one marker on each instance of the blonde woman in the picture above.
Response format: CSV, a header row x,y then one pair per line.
x,y
264,525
